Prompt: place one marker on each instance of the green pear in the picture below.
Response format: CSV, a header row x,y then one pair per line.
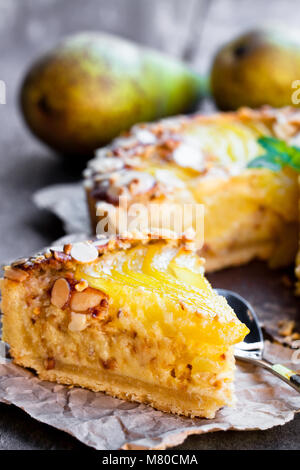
x,y
92,86
260,67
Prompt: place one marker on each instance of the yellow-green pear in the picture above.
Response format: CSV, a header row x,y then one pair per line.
x,y
259,67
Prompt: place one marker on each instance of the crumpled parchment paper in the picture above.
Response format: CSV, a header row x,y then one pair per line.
x,y
106,423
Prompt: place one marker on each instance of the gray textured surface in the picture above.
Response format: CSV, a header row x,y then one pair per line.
x,y
28,27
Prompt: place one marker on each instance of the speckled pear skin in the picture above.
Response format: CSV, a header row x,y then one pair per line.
x,y
92,86
255,69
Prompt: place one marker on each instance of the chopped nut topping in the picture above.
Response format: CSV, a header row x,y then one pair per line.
x,y
14,274
60,256
110,363
100,310
134,181
104,303
60,293
84,252
83,301
81,286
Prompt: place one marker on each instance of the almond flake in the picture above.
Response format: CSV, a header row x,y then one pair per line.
x,y
60,293
14,274
83,301
84,252
78,322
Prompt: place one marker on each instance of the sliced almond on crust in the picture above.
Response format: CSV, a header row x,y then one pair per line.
x,y
14,274
83,301
60,293
84,252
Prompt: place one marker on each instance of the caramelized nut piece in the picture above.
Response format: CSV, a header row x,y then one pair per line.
x,y
14,274
60,256
60,292
286,327
67,248
78,322
84,252
101,310
89,298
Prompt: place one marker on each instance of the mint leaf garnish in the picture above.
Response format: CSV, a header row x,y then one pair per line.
x,y
278,154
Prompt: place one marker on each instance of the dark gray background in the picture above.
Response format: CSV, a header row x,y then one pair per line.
x,y
27,28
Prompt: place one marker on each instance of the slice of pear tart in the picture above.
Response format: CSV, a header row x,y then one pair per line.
x,y
249,212
135,318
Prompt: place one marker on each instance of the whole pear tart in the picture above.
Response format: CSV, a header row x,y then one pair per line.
x,y
249,212
135,318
